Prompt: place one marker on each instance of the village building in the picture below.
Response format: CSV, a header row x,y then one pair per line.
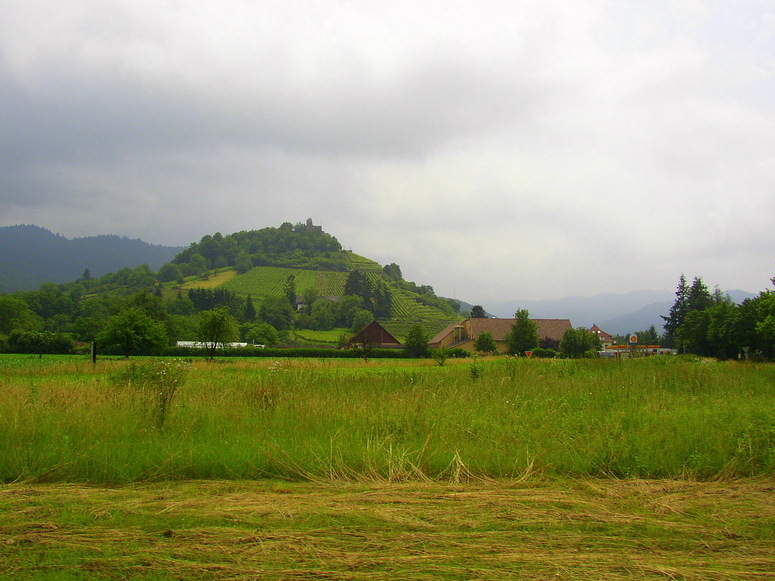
x,y
606,339
463,335
373,335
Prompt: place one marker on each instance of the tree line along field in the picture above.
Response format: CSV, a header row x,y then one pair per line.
x,y
65,419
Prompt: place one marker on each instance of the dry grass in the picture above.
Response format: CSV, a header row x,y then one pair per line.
x,y
212,281
567,529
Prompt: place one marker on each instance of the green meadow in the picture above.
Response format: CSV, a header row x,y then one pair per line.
x,y
499,468
64,419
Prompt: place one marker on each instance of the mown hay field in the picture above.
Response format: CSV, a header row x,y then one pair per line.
x,y
566,529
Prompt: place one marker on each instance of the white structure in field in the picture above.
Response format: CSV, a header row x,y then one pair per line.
x,y
203,345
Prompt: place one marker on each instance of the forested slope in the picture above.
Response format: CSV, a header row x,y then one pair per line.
x,y
31,255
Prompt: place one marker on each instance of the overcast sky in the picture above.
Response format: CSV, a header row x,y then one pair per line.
x,y
494,149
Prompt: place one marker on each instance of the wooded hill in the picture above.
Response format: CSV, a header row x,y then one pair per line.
x,y
262,263
31,255
287,285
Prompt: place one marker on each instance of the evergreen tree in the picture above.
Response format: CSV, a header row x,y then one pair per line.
x,y
698,298
649,337
689,300
677,312
357,285
383,300
523,335
290,290
478,312
250,311
416,342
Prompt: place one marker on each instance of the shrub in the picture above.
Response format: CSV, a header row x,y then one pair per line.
x,y
440,355
39,342
156,382
545,353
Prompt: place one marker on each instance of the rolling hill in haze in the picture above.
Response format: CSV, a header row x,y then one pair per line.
x,y
31,255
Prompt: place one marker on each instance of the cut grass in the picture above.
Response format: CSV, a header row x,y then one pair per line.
x,y
558,529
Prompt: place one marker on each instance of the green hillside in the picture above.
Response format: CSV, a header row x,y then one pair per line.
x,y
247,273
408,307
408,310
357,262
263,261
267,281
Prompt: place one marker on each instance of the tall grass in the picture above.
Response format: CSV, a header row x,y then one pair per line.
x,y
65,420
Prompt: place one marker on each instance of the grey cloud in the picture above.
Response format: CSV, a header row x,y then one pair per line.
x,y
540,138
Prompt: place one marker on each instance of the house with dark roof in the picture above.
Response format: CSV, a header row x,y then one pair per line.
x,y
374,335
464,333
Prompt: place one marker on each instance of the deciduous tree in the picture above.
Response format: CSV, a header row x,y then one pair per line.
x,y
579,342
217,327
15,314
485,343
262,334
135,333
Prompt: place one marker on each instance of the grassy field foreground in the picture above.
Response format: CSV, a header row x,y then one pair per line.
x,y
309,469
64,419
547,529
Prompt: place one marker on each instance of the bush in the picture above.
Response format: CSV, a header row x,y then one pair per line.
x,y
156,382
39,342
545,353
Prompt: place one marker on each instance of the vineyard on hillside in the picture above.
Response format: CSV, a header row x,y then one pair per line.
x,y
266,281
408,310
358,262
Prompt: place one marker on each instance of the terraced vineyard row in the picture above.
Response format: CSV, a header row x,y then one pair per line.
x,y
264,281
408,312
330,284
361,263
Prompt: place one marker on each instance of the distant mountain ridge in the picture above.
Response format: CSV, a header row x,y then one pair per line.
x,y
31,255
615,313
